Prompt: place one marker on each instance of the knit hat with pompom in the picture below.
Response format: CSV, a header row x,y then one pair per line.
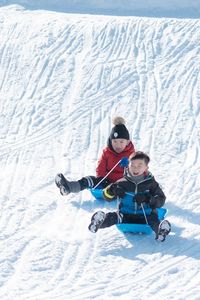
x,y
119,131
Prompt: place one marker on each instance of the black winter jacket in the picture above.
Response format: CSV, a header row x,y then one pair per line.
x,y
148,185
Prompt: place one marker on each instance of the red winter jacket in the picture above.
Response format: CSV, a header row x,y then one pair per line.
x,y
109,158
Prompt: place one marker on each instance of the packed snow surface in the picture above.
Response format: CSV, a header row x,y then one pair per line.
x,y
63,77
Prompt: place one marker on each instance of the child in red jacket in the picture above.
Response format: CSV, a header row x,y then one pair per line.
x,y
119,146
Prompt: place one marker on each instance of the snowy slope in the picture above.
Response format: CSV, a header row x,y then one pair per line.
x,y
62,79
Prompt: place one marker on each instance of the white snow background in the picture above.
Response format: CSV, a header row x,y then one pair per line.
x,y
63,76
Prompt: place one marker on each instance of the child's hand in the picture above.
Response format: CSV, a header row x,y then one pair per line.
x,y
153,202
124,162
140,198
113,191
117,191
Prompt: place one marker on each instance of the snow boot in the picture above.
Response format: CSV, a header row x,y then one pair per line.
x,y
66,187
163,230
96,221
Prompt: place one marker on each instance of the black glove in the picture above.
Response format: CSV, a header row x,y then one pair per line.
x,y
153,202
117,190
140,198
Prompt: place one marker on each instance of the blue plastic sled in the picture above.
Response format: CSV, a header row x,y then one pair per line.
x,y
133,227
97,193
141,228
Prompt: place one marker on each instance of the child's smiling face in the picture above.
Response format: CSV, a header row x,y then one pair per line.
x,y
137,167
119,144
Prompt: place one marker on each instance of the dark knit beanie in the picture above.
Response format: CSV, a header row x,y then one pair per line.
x,y
119,131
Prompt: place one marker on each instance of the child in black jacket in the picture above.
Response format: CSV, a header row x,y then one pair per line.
x,y
146,194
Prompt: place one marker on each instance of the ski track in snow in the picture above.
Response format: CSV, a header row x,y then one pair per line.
x,y
62,79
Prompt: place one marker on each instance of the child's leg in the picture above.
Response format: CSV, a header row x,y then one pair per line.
x,y
102,220
91,181
133,219
161,228
111,219
87,182
66,187
153,220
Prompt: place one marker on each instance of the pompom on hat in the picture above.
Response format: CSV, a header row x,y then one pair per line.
x,y
119,131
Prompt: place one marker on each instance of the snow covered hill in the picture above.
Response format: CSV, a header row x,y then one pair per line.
x,y
62,79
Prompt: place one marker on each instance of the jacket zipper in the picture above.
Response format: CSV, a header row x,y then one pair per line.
x,y
136,189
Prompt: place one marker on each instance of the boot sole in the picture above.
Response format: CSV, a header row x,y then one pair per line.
x,y
58,179
96,221
163,231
